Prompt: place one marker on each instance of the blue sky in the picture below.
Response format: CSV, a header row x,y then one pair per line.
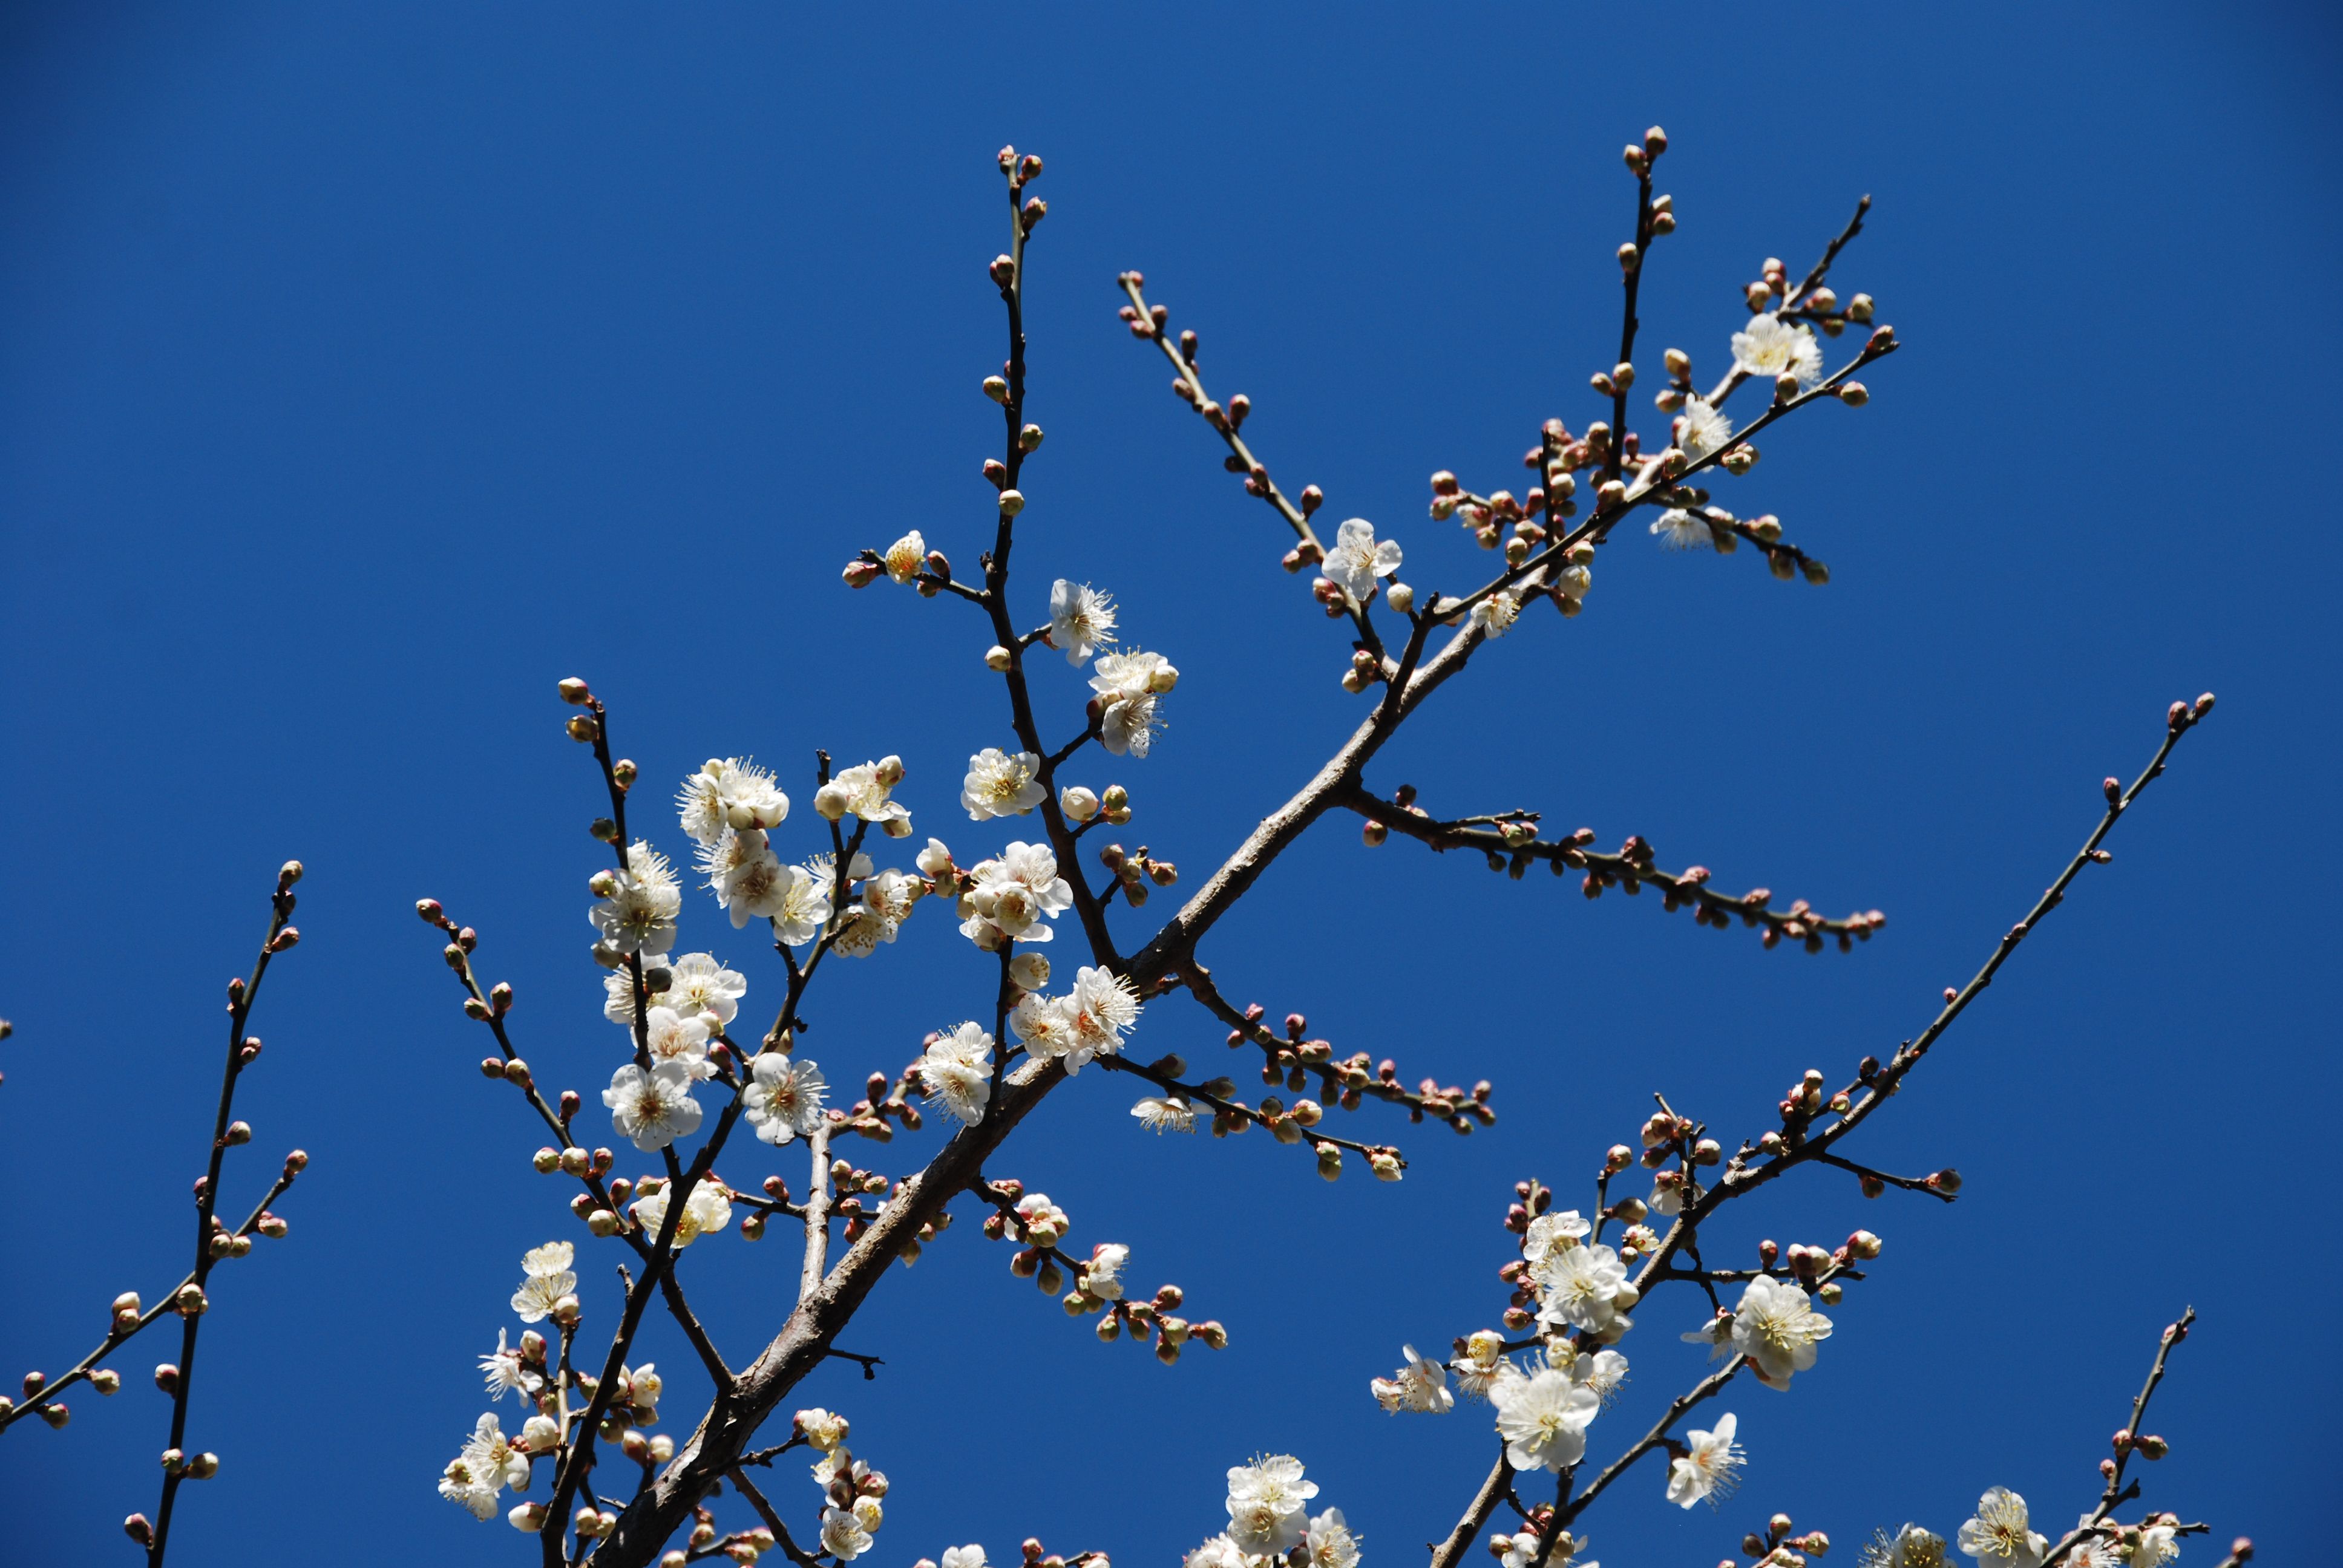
x,y
367,369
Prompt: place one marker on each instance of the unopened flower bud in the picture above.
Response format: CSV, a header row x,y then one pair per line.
x,y
1030,970
1011,503
1854,394
1078,803
998,658
862,574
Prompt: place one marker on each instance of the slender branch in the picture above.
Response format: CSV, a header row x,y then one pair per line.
x,y
817,1215
1707,1388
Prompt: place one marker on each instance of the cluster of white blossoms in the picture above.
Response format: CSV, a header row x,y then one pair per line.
x,y
1268,1517
695,986
1009,897
957,1072
1520,1550
1999,1534
1089,1021
852,1511
491,1462
1128,685
635,909
1418,1386
707,1211
866,791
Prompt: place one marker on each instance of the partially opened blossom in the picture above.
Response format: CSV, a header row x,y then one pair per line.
x,y
1355,559
1678,529
1082,620
824,1428
957,1072
707,1211
905,557
1330,1542
1910,1547
1103,1277
1001,784
1165,1113
1418,1386
652,1109
783,1097
1543,1416
866,790
1495,615
1602,1370
2000,1535
1709,1467
507,1372
1552,1234
1778,1328
970,1556
1220,1552
1477,1365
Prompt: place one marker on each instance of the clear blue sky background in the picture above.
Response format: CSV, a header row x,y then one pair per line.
x,y
363,369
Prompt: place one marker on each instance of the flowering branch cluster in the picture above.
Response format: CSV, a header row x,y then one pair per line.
x,y
1572,1290
216,1242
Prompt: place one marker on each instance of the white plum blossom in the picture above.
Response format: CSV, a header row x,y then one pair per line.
x,y
729,793
1771,347
1670,1190
1702,430
1571,582
1008,897
905,557
1001,784
1220,1552
1543,1416
1039,1221
970,1556
1577,1285
539,1434
1550,1235
507,1373
1710,1466
1678,529
1082,620
843,1535
1103,1277
1910,1547
619,992
545,1278
1355,559
1716,1335
1778,1328
1419,1385
1330,1542
653,1109
1478,1364
748,879
671,1037
1267,1504
1602,1371
699,987
1128,685
488,1464
637,914
2000,1535
1100,1011
1495,615
824,1428
935,862
805,905
783,1096
2158,1544
1029,970
957,1072
864,791
1165,1113
707,1211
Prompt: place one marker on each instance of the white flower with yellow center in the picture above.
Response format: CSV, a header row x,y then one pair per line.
x,y
1082,620
1128,685
1709,1467
1910,1547
1100,1011
905,557
652,1109
824,1428
1103,1277
1267,1504
1330,1542
1477,1365
1577,1286
729,793
637,914
1702,430
1165,1113
1001,784
2000,1535
1771,347
1418,1386
707,1211
843,1535
1778,1328
1543,1416
1678,529
1355,559
1495,615
671,1037
783,1096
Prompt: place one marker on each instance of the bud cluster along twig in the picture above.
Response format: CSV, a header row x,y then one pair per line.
x,y
217,1241
1578,1277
